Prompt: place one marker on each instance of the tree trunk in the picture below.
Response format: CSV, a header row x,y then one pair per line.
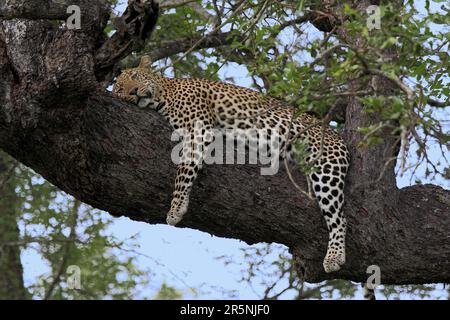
x,y
56,117
11,272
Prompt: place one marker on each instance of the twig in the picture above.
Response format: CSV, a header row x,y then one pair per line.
x,y
65,256
169,4
394,79
437,103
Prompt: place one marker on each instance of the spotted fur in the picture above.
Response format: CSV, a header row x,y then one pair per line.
x,y
219,105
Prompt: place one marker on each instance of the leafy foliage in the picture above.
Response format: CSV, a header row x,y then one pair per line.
x,y
168,293
270,271
65,232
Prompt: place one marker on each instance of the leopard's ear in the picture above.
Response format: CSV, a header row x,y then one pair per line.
x,y
145,62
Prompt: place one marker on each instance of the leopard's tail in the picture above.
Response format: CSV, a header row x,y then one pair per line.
x,y
369,294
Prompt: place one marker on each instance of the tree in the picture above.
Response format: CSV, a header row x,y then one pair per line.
x,y
11,281
56,118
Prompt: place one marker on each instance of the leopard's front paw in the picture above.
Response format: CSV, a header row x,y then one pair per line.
x,y
333,261
176,212
173,219
331,265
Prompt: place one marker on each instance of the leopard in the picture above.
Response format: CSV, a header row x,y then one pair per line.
x,y
184,102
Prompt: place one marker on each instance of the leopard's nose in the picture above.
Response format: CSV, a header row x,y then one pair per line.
x,y
133,91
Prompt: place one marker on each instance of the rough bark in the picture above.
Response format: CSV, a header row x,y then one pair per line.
x,y
44,9
56,117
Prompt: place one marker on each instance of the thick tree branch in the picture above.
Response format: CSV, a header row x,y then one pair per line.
x,y
44,9
93,13
117,158
168,4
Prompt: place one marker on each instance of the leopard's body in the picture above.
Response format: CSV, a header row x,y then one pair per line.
x,y
184,102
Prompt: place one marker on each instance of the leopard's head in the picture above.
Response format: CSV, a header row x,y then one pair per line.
x,y
139,86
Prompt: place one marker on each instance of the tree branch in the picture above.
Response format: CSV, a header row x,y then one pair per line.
x,y
108,147
437,103
44,9
168,4
169,48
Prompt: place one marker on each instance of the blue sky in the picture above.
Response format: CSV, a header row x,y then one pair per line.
x,y
183,258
